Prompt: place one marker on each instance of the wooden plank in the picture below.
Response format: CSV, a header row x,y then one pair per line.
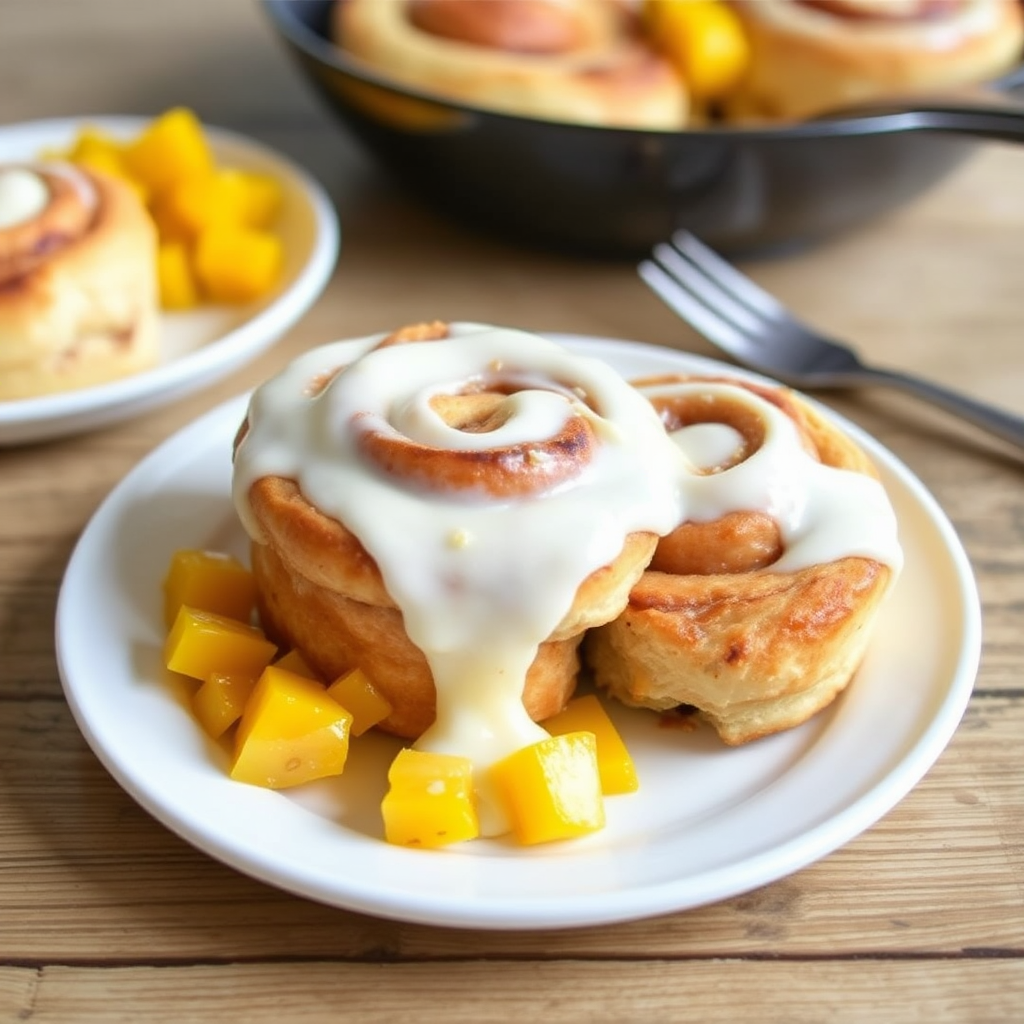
x,y
941,874
492,991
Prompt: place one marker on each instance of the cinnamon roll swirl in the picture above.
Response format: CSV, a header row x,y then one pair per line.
x,y
580,61
757,609
811,56
78,293
451,508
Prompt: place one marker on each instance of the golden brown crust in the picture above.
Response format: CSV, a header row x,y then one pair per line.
x,y
575,60
713,627
807,58
78,299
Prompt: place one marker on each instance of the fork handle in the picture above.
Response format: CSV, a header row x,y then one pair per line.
x,y
999,422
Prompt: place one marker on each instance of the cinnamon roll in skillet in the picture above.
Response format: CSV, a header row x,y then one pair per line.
x,y
579,61
812,56
756,611
78,292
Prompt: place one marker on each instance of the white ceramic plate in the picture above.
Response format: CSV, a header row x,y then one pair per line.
x,y
708,822
198,346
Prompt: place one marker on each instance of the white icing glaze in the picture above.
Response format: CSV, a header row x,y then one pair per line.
x,y
481,582
823,513
23,196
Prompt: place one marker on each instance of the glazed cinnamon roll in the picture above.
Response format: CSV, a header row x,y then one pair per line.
x,y
580,61
812,56
78,293
756,611
450,508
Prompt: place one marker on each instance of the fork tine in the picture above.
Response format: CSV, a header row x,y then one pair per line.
x,y
738,285
706,322
706,289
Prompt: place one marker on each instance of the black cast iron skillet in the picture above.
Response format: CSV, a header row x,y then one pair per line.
x,y
615,192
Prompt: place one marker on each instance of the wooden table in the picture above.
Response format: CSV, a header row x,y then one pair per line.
x,y
105,915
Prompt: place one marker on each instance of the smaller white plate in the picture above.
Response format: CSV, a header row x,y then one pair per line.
x,y
199,346
708,821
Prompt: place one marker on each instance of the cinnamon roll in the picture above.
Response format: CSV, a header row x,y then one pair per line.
x,y
756,611
579,61
812,56
78,293
450,508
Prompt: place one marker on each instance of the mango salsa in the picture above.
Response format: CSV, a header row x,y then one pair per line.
x,y
430,800
220,701
355,692
291,732
210,581
201,643
215,223
587,714
552,789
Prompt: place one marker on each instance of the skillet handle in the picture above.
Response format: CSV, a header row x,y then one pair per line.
x,y
978,111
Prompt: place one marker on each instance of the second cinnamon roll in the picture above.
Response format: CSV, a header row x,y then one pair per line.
x,y
78,291
579,61
813,56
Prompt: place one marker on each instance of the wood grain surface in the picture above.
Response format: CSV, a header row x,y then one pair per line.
x,y
107,916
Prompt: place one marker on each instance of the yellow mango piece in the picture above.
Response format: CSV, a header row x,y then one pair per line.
x,y
210,581
429,802
291,732
355,692
171,148
293,661
176,280
552,789
264,198
201,643
237,264
704,39
615,766
94,142
193,204
220,701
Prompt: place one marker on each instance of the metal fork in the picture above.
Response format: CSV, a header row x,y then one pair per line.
x,y
759,332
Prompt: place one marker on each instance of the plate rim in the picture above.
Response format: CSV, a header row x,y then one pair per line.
x,y
26,420
905,770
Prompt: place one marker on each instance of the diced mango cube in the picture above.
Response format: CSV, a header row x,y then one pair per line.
x,y
211,582
587,714
237,264
355,691
291,732
263,198
220,701
201,643
295,662
704,39
171,148
191,205
552,789
430,800
178,286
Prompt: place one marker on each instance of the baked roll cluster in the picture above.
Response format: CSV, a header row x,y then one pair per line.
x,y
584,61
456,508
812,56
633,64
78,290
